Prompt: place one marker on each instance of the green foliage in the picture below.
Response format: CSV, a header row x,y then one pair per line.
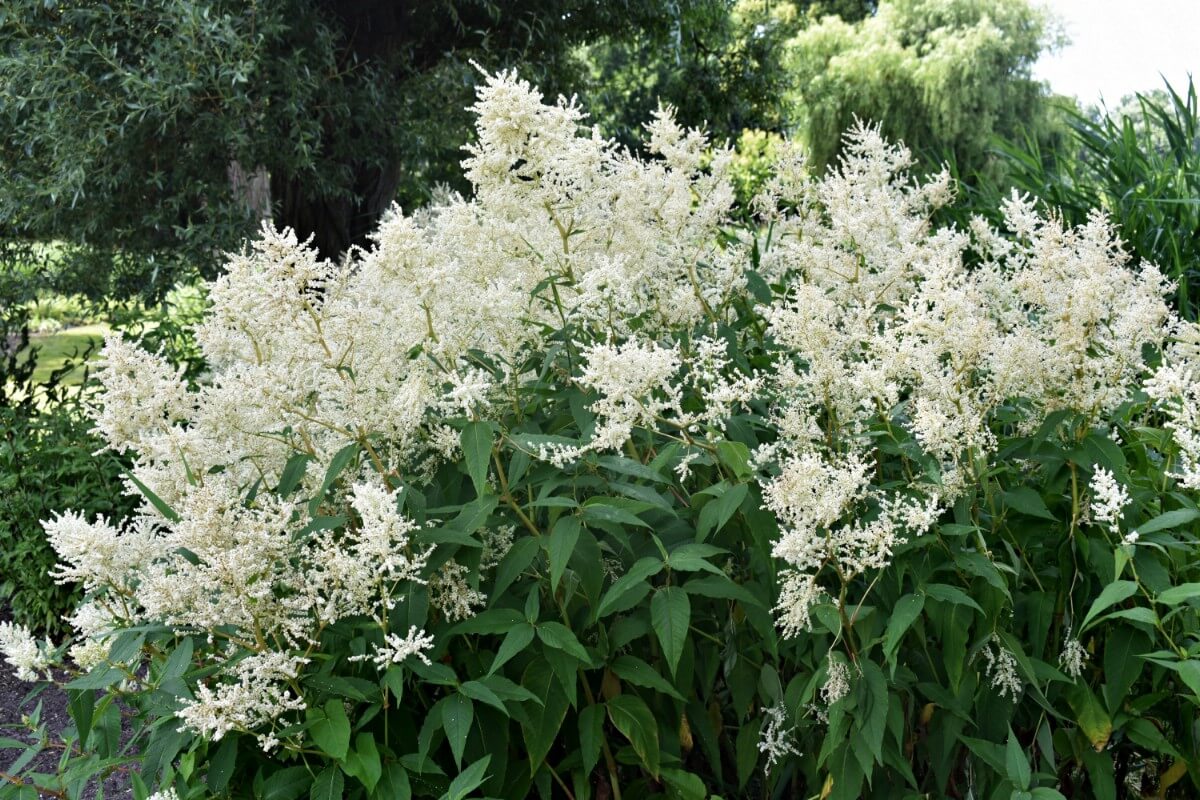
x,y
1141,165
755,155
944,76
46,465
153,135
722,68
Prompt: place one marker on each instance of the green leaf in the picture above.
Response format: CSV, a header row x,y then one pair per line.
x,y
155,500
517,640
180,659
1146,734
1027,501
1178,594
393,784
717,512
627,466
904,614
639,673
473,516
1189,673
293,473
494,620
457,715
1091,716
221,764
598,511
721,587
82,705
329,785
508,690
513,564
690,557
633,718
874,709
846,773
746,751
1168,520
476,440
563,538
468,780
341,459
638,573
1122,667
951,594
591,734
560,637
736,456
1016,763
331,729
477,690
671,613
286,784
126,646
1112,594
363,761
685,785
542,725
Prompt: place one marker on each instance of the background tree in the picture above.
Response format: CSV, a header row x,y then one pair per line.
x,y
144,132
944,76
723,67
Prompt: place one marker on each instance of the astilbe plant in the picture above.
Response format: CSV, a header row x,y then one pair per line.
x,y
573,488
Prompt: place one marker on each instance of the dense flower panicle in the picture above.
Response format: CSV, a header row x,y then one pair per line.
x,y
397,648
450,593
1001,670
259,693
1109,499
882,318
578,265
776,738
1176,388
1073,656
837,681
22,652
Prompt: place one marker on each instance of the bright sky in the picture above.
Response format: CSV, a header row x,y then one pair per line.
x,y
1120,46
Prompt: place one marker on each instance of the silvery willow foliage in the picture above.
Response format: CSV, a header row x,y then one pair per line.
x,y
573,488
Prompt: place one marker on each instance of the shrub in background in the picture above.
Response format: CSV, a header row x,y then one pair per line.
x,y
575,489
48,462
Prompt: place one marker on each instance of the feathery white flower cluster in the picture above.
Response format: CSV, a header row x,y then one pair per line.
x,y
244,573
22,652
886,333
1176,388
450,593
1001,669
1073,656
1109,499
397,648
776,738
837,681
259,693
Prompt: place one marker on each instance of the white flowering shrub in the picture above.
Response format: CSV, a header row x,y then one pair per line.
x,y
575,489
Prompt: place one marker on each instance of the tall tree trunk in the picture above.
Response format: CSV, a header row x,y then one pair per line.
x,y
335,224
372,29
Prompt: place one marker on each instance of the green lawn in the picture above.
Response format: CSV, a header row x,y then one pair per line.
x,y
55,349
